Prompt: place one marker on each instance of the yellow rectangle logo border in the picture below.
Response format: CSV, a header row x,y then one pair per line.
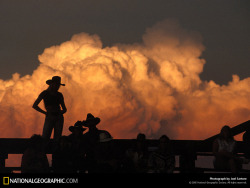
x,y
4,180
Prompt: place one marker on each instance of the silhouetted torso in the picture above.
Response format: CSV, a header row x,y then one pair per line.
x,y
52,101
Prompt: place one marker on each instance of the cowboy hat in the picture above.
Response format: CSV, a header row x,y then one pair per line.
x,y
76,126
105,136
91,120
55,79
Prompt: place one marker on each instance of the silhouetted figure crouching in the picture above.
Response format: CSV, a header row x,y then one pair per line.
x,y
224,150
62,157
137,156
93,133
163,159
34,159
70,154
78,147
91,138
105,154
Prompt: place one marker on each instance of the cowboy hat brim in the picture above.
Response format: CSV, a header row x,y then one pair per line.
x,y
72,128
91,122
49,82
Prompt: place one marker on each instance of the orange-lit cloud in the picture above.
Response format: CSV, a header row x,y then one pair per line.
x,y
153,87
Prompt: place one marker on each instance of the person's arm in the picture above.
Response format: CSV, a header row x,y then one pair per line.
x,y
215,147
36,103
64,109
235,149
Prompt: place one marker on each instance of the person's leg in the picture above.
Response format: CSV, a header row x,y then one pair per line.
x,y
47,128
221,163
232,165
58,128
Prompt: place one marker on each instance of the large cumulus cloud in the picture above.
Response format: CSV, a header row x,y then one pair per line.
x,y
151,87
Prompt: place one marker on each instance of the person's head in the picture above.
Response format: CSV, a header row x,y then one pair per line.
x,y
105,136
91,121
141,141
55,86
141,137
55,83
163,142
105,140
226,133
77,129
37,142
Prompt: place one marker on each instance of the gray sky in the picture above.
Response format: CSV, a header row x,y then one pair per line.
x,y
27,27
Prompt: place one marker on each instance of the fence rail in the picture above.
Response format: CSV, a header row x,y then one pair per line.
x,y
187,150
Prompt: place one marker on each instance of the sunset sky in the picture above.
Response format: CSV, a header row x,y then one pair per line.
x,y
28,28
152,66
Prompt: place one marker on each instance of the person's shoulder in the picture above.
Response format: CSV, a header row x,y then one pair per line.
x,y
59,94
43,93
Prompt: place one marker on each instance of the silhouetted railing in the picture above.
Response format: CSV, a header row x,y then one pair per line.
x,y
234,130
187,150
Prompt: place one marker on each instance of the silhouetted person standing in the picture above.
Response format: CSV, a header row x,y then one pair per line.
x,y
55,108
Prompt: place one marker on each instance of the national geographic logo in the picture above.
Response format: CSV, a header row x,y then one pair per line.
x,y
6,180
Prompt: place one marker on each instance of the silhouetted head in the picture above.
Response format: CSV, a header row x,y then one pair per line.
x,y
91,121
37,142
55,83
141,137
164,141
226,133
105,136
77,129
141,141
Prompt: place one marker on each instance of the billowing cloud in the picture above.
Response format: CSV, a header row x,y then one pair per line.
x,y
153,87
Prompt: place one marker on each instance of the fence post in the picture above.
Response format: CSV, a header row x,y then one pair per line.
x,y
187,159
3,156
